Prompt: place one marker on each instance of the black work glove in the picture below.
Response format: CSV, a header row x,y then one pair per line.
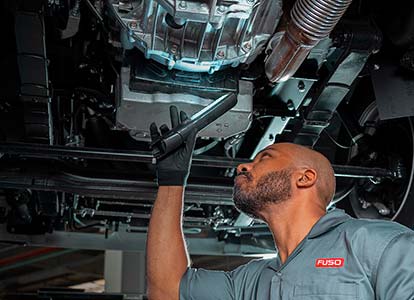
x,y
174,168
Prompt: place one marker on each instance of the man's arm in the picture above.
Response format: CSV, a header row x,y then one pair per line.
x,y
167,257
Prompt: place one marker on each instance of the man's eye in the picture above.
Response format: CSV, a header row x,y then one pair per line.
x,y
265,156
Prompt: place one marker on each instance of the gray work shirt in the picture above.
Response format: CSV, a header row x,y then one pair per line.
x,y
341,258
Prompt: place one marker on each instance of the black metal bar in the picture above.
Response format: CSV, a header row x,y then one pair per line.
x,y
112,188
361,172
48,152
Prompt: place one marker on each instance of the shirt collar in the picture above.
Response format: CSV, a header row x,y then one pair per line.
x,y
328,222
325,224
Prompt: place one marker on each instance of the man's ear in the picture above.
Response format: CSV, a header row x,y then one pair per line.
x,y
306,178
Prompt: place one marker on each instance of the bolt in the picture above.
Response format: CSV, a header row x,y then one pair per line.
x,y
133,25
383,212
376,67
171,64
247,46
221,9
220,54
271,137
365,204
290,105
174,49
182,5
301,86
373,155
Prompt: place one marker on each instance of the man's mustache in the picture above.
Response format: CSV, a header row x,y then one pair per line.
x,y
247,174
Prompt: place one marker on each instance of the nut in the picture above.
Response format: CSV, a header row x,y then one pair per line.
x,y
301,86
174,49
247,46
133,25
182,5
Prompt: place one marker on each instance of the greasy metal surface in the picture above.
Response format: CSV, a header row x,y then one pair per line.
x,y
319,113
138,109
294,90
197,36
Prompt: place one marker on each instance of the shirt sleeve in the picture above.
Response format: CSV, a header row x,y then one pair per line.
x,y
395,272
201,284
240,284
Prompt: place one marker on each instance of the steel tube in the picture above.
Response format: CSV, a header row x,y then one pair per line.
x,y
311,21
48,152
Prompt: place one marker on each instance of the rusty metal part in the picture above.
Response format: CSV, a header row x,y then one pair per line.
x,y
311,21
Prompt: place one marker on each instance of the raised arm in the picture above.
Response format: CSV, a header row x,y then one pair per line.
x,y
167,257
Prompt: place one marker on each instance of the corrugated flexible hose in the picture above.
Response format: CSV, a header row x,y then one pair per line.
x,y
311,21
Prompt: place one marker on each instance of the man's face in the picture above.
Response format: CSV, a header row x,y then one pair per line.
x,y
267,180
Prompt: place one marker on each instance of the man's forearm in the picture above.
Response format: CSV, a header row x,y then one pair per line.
x,y
167,257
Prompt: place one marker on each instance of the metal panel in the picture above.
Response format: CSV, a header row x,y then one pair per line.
x,y
138,109
197,36
394,91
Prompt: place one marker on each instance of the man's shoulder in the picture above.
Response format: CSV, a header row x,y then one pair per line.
x,y
361,226
373,231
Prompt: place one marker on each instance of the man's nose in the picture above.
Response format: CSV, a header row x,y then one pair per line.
x,y
244,168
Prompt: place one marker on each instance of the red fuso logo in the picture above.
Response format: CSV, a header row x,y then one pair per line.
x,y
329,263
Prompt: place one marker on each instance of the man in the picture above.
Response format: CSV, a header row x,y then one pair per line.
x,y
320,255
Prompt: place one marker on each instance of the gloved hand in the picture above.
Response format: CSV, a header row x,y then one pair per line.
x,y
174,168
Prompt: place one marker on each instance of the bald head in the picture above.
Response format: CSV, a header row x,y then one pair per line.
x,y
303,157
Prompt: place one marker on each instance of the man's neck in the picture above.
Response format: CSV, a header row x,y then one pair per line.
x,y
290,224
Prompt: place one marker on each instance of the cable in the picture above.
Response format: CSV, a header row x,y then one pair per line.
x,y
346,128
335,142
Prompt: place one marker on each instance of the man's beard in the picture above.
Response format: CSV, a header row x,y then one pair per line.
x,y
272,188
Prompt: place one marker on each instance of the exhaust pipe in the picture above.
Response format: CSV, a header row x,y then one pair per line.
x,y
311,21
